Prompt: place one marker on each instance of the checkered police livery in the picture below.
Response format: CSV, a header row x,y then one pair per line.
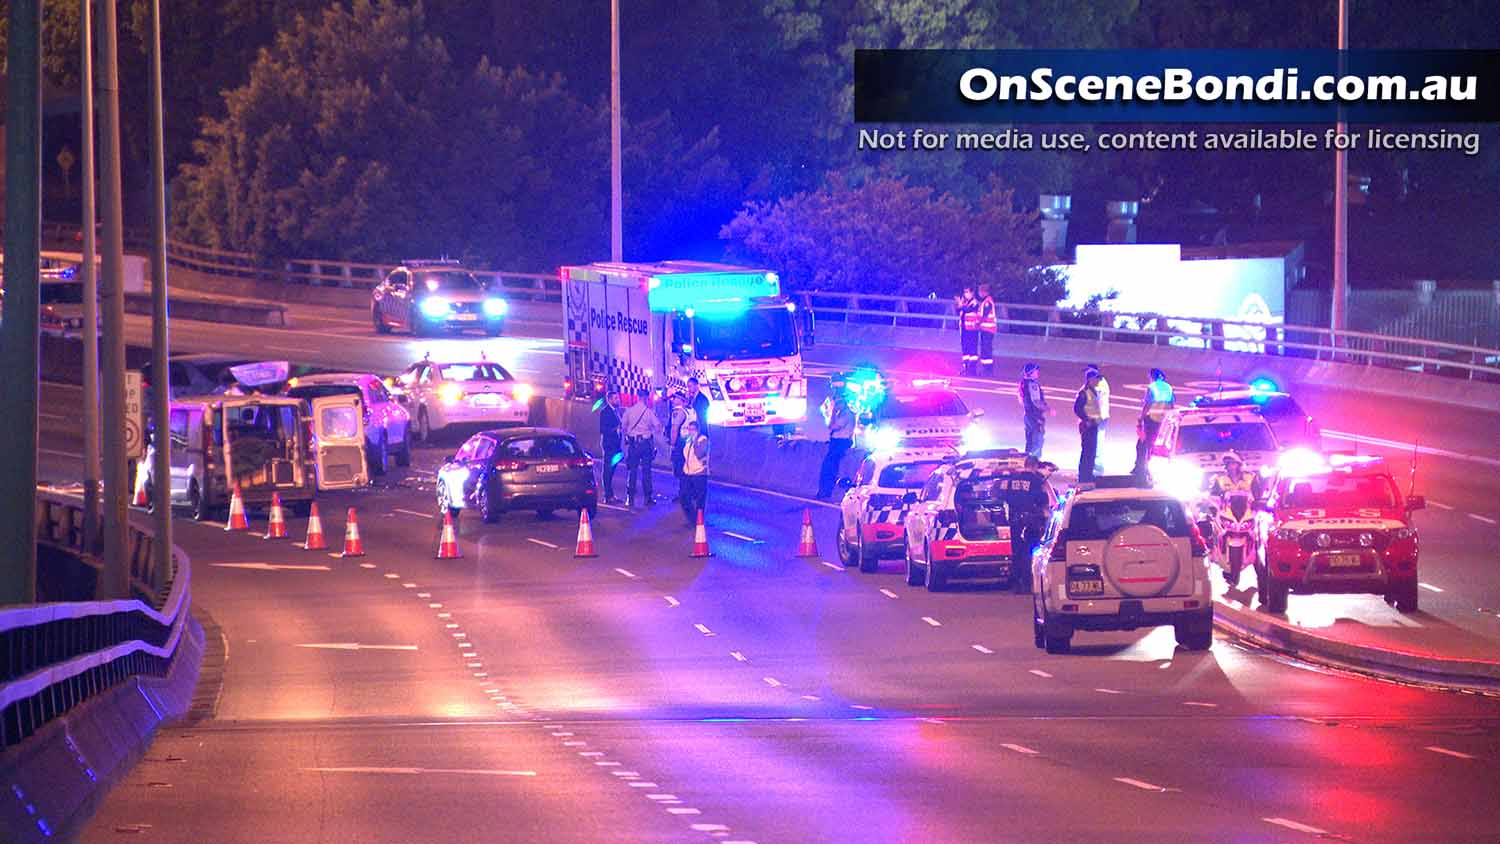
x,y
958,527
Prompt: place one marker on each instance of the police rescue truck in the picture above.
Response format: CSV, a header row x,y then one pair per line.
x,y
654,326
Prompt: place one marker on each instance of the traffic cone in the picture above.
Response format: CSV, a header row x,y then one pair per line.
x,y
236,512
138,499
277,527
448,543
353,547
315,540
808,546
585,546
700,538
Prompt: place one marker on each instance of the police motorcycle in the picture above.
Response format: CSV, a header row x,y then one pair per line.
x,y
1230,520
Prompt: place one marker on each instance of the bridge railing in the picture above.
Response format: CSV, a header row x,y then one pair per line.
x,y
1300,341
54,656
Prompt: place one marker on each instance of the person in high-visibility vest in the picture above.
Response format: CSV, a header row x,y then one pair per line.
x,y
1086,408
988,325
967,308
1158,400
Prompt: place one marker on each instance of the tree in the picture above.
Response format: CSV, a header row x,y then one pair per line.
x,y
887,236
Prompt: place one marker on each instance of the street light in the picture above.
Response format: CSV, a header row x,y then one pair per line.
x,y
1338,313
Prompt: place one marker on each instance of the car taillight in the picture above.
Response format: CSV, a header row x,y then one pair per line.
x,y
509,465
581,462
1200,548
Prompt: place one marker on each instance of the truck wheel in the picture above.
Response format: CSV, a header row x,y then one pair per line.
x,y
867,562
1406,596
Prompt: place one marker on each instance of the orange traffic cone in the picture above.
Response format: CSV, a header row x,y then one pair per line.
x,y
448,543
700,538
138,499
277,527
808,546
585,546
353,547
236,512
315,540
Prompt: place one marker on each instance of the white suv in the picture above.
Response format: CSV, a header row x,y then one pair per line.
x,y
1119,557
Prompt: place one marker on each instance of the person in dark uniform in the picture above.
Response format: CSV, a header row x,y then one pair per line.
x,y
697,399
967,308
1029,502
1034,409
1086,408
609,441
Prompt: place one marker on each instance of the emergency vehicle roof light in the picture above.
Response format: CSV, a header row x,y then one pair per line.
x,y
677,291
1263,385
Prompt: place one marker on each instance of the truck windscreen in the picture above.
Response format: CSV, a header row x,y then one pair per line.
x,y
755,333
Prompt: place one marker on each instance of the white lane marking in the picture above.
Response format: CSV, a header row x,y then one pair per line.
x,y
356,646
704,630
932,621
1446,752
1409,447
606,763
363,565
362,769
771,681
661,797
542,543
833,566
268,567
641,784
1020,748
628,574
982,649
1486,519
860,706
591,753
1440,505
424,594
1430,588
710,827
615,507
671,601
1040,673
1144,786
1297,827
811,697
435,605
1200,703
445,615
739,657
1109,691
408,585
562,734
626,774
413,513
393,577
740,536
683,810
889,594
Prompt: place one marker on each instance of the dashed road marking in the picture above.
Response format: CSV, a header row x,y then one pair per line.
x,y
1109,691
833,566
811,697
641,784
1297,827
392,576
932,621
1200,703
1478,518
542,543
1440,505
771,681
982,649
860,706
424,594
683,810
1141,784
1020,748
627,573
1430,588
889,594
361,565
607,763
1040,673
615,507
412,513
740,536
710,827
1446,752
671,601
702,628
739,657
661,797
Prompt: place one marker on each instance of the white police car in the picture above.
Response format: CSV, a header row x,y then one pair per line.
x,y
922,412
1191,444
959,526
1117,556
872,514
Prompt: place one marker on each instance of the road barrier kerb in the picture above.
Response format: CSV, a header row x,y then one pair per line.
x,y
1475,675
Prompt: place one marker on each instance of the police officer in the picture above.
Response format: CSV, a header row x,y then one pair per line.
x,y
840,439
1029,501
988,324
1034,409
967,308
677,418
641,429
1086,408
1234,478
1101,392
694,450
1158,400
609,441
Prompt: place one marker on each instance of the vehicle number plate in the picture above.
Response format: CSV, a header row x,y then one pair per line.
x,y
547,468
487,400
1086,587
1345,560
468,317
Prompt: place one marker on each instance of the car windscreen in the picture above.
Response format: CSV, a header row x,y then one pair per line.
x,y
437,281
1337,492
907,475
924,403
474,372
539,448
753,333
318,391
1222,436
1100,519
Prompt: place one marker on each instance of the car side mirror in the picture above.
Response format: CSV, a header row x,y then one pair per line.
x,y
1416,502
845,483
909,498
976,413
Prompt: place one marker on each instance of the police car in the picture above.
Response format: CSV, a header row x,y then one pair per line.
x,y
873,511
959,525
1118,557
1190,448
1293,425
921,412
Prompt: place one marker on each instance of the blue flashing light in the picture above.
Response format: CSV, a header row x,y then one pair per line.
x,y
1263,385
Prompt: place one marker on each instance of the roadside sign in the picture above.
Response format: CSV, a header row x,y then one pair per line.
x,y
134,424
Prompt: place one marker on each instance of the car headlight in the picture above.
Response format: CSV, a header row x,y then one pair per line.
x,y
882,438
450,393
773,382
1323,540
1181,480
735,384
435,307
976,437
1286,534
522,392
495,307
1404,533
1366,540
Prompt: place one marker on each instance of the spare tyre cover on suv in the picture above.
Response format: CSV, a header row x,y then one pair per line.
x,y
1141,561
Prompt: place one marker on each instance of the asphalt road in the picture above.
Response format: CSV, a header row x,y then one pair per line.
x,y
520,694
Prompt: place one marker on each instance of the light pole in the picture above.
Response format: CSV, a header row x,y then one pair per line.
x,y
161,396
616,237
1338,313
90,270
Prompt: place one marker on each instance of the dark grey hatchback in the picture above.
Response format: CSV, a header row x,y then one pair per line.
x,y
541,469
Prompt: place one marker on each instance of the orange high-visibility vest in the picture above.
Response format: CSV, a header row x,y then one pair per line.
x,y
969,311
986,315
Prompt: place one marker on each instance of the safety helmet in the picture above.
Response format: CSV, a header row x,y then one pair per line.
x,y
1233,456
1029,370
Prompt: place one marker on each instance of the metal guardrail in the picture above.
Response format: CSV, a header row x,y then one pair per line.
x,y
57,655
1300,341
